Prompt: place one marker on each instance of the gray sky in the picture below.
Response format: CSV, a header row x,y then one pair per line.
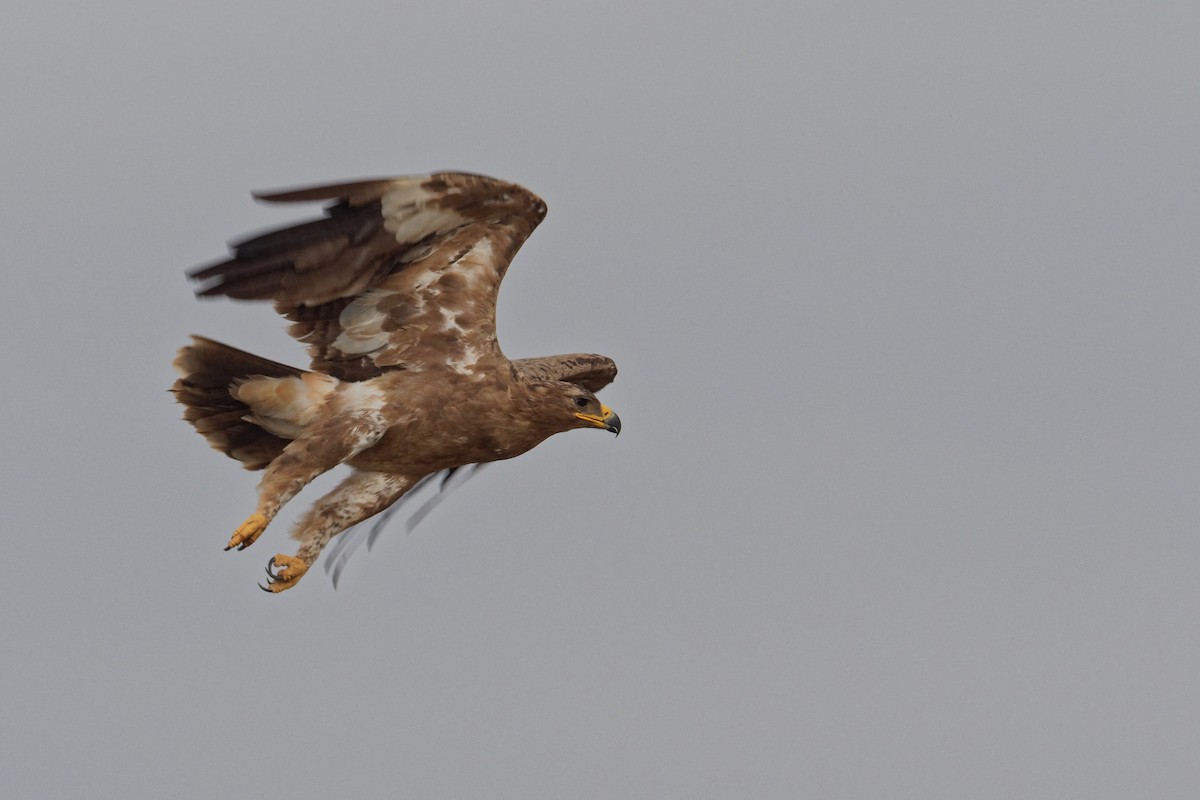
x,y
903,297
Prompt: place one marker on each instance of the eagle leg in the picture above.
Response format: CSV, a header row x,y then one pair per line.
x,y
315,451
289,570
248,532
362,494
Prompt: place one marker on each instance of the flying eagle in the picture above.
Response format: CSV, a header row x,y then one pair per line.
x,y
394,292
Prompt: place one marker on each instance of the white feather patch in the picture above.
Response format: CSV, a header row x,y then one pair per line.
x,y
450,320
362,325
411,222
477,263
464,365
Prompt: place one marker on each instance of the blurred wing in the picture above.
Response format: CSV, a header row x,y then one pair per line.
x,y
344,546
592,372
400,273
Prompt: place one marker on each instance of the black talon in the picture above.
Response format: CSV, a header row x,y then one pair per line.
x,y
265,589
271,576
228,547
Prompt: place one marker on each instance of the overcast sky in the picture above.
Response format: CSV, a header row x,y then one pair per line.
x,y
903,297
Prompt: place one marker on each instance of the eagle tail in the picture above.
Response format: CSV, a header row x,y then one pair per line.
x,y
209,371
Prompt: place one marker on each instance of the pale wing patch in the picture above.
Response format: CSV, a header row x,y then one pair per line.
x,y
409,216
362,325
449,296
476,264
450,321
464,365
421,281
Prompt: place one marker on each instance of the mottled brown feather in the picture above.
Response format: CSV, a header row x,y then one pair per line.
x,y
415,262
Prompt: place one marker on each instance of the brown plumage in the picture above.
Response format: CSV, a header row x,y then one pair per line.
x,y
394,292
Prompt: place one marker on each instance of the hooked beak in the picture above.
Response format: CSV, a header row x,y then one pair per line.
x,y
608,420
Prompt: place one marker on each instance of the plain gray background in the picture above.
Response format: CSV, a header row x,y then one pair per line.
x,y
903,297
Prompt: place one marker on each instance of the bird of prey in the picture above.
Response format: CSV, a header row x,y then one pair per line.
x,y
394,292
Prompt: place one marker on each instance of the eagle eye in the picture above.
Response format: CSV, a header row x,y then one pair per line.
x,y
581,402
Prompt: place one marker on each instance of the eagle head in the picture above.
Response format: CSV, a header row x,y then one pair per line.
x,y
564,406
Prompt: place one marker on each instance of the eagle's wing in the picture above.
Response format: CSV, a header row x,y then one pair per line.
x,y
401,272
592,372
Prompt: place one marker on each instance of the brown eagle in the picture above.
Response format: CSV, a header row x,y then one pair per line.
x,y
394,292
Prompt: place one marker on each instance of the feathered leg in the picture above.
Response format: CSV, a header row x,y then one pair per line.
x,y
362,495
320,448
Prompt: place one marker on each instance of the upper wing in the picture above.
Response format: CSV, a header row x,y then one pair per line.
x,y
401,272
592,372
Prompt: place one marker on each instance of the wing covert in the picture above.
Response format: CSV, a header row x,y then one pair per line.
x,y
400,273
590,371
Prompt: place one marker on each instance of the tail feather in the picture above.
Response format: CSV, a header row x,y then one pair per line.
x,y
209,370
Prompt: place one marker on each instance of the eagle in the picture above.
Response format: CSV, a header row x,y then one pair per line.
x,y
394,293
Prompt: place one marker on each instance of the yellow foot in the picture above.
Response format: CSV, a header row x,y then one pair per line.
x,y
247,532
288,572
